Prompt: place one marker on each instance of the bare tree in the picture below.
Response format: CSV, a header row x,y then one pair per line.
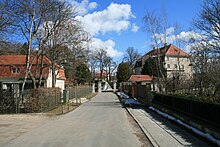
x,y
110,66
27,16
5,21
65,32
208,23
178,40
48,25
131,55
100,56
155,25
93,64
206,50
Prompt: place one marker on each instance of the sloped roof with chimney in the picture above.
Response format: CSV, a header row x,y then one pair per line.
x,y
169,50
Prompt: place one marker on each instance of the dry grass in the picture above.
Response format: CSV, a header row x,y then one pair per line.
x,y
62,109
68,107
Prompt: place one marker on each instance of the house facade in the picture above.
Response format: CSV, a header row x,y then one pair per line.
x,y
176,62
13,69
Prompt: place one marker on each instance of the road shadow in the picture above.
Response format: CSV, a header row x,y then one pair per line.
x,y
115,104
174,129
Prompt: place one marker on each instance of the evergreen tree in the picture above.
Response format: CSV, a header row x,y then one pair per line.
x,y
123,72
83,74
151,67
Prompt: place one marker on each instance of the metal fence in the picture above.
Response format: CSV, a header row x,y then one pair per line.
x,y
177,99
205,111
41,99
7,102
33,100
76,92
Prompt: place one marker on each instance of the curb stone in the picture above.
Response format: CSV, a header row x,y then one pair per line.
x,y
147,134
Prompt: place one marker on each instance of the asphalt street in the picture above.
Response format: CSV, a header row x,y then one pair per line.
x,y
101,122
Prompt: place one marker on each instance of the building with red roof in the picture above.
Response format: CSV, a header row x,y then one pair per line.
x,y
176,61
13,69
140,78
136,80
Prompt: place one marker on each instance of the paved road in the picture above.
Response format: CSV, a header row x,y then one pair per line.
x,y
101,122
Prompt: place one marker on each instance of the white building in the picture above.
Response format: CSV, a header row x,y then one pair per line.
x,y
176,62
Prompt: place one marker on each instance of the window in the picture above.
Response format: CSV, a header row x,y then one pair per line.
x,y
4,86
182,66
175,66
168,65
15,70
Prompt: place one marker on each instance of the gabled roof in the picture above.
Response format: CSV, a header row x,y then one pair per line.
x,y
169,50
21,60
140,78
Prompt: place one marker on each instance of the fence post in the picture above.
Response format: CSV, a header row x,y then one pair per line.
x,y
75,93
93,87
99,86
114,86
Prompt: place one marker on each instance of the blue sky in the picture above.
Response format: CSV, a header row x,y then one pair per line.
x,y
117,24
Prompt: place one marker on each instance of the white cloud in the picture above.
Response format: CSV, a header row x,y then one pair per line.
x,y
108,45
114,18
92,5
135,28
185,39
84,6
170,30
184,36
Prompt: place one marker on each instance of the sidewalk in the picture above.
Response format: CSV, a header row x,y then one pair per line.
x,y
163,133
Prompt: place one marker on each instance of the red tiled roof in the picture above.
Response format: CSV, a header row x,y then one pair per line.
x,y
175,51
20,60
156,51
61,74
169,50
99,73
140,78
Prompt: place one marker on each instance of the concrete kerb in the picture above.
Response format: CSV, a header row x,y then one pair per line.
x,y
147,134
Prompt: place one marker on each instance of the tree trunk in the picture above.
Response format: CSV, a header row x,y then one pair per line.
x,y
53,75
101,72
27,59
41,71
109,72
33,80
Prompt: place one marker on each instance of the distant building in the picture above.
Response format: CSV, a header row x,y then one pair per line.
x,y
98,76
136,80
176,62
144,79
